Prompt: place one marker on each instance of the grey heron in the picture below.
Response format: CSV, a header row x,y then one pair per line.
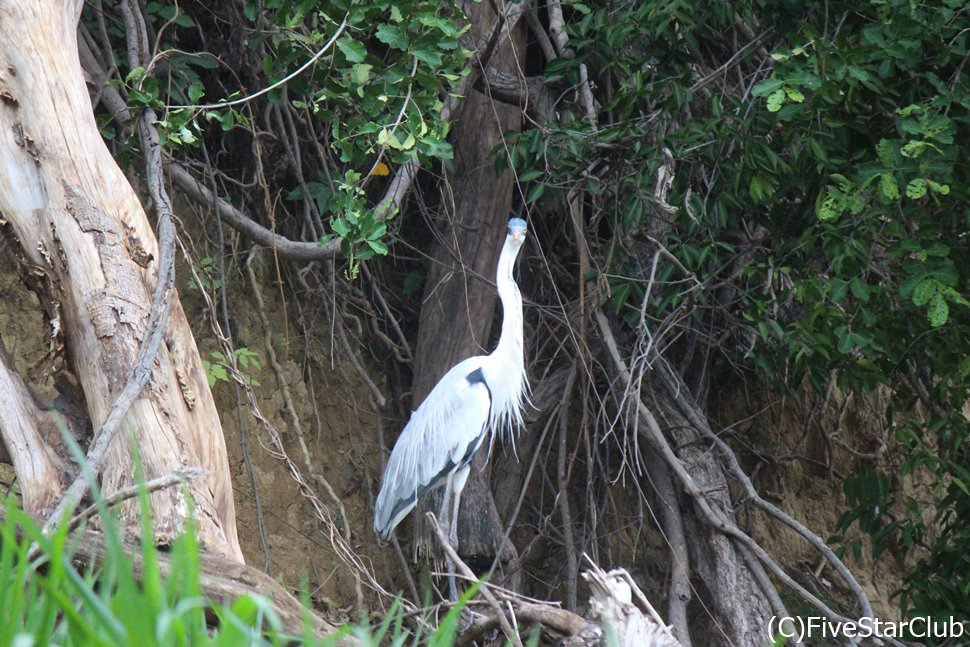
x,y
477,398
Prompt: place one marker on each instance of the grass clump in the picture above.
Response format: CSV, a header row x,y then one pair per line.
x,y
50,597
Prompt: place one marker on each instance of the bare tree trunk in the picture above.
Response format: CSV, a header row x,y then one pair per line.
x,y
80,223
459,299
739,604
34,462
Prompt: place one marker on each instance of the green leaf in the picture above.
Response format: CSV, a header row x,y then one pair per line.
x,y
838,288
829,208
914,148
136,74
859,289
924,291
775,100
353,50
804,78
536,192
794,95
378,246
766,87
360,73
884,151
340,227
196,91
846,343
428,56
759,188
916,188
392,36
939,311
888,186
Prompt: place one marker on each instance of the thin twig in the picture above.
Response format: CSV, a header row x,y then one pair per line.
x,y
155,484
467,572
235,102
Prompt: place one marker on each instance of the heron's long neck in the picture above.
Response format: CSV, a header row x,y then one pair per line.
x,y
508,383
510,342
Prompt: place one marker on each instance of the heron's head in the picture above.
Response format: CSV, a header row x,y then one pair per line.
x,y
517,229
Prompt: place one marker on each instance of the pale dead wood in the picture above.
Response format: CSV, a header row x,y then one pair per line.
x,y
611,601
35,464
78,219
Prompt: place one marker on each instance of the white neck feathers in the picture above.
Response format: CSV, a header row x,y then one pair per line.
x,y
507,379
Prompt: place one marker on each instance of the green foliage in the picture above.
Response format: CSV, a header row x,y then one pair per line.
x,y
218,369
358,228
48,600
204,270
378,95
375,94
843,154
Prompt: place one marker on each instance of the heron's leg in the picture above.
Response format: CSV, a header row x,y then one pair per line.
x,y
444,521
458,484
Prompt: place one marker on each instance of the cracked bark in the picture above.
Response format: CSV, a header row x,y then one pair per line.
x,y
75,215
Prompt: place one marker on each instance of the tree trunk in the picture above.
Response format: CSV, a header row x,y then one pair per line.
x,y
739,604
459,299
80,225
21,420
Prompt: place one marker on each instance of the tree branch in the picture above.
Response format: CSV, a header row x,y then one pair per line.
x,y
284,247
717,519
529,93
510,633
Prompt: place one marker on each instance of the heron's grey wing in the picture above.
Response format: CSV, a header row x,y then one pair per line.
x,y
442,436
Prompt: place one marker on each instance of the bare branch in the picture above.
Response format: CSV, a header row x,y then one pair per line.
x,y
285,248
467,572
236,102
132,491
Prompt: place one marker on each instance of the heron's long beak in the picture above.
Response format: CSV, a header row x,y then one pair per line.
x,y
517,234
